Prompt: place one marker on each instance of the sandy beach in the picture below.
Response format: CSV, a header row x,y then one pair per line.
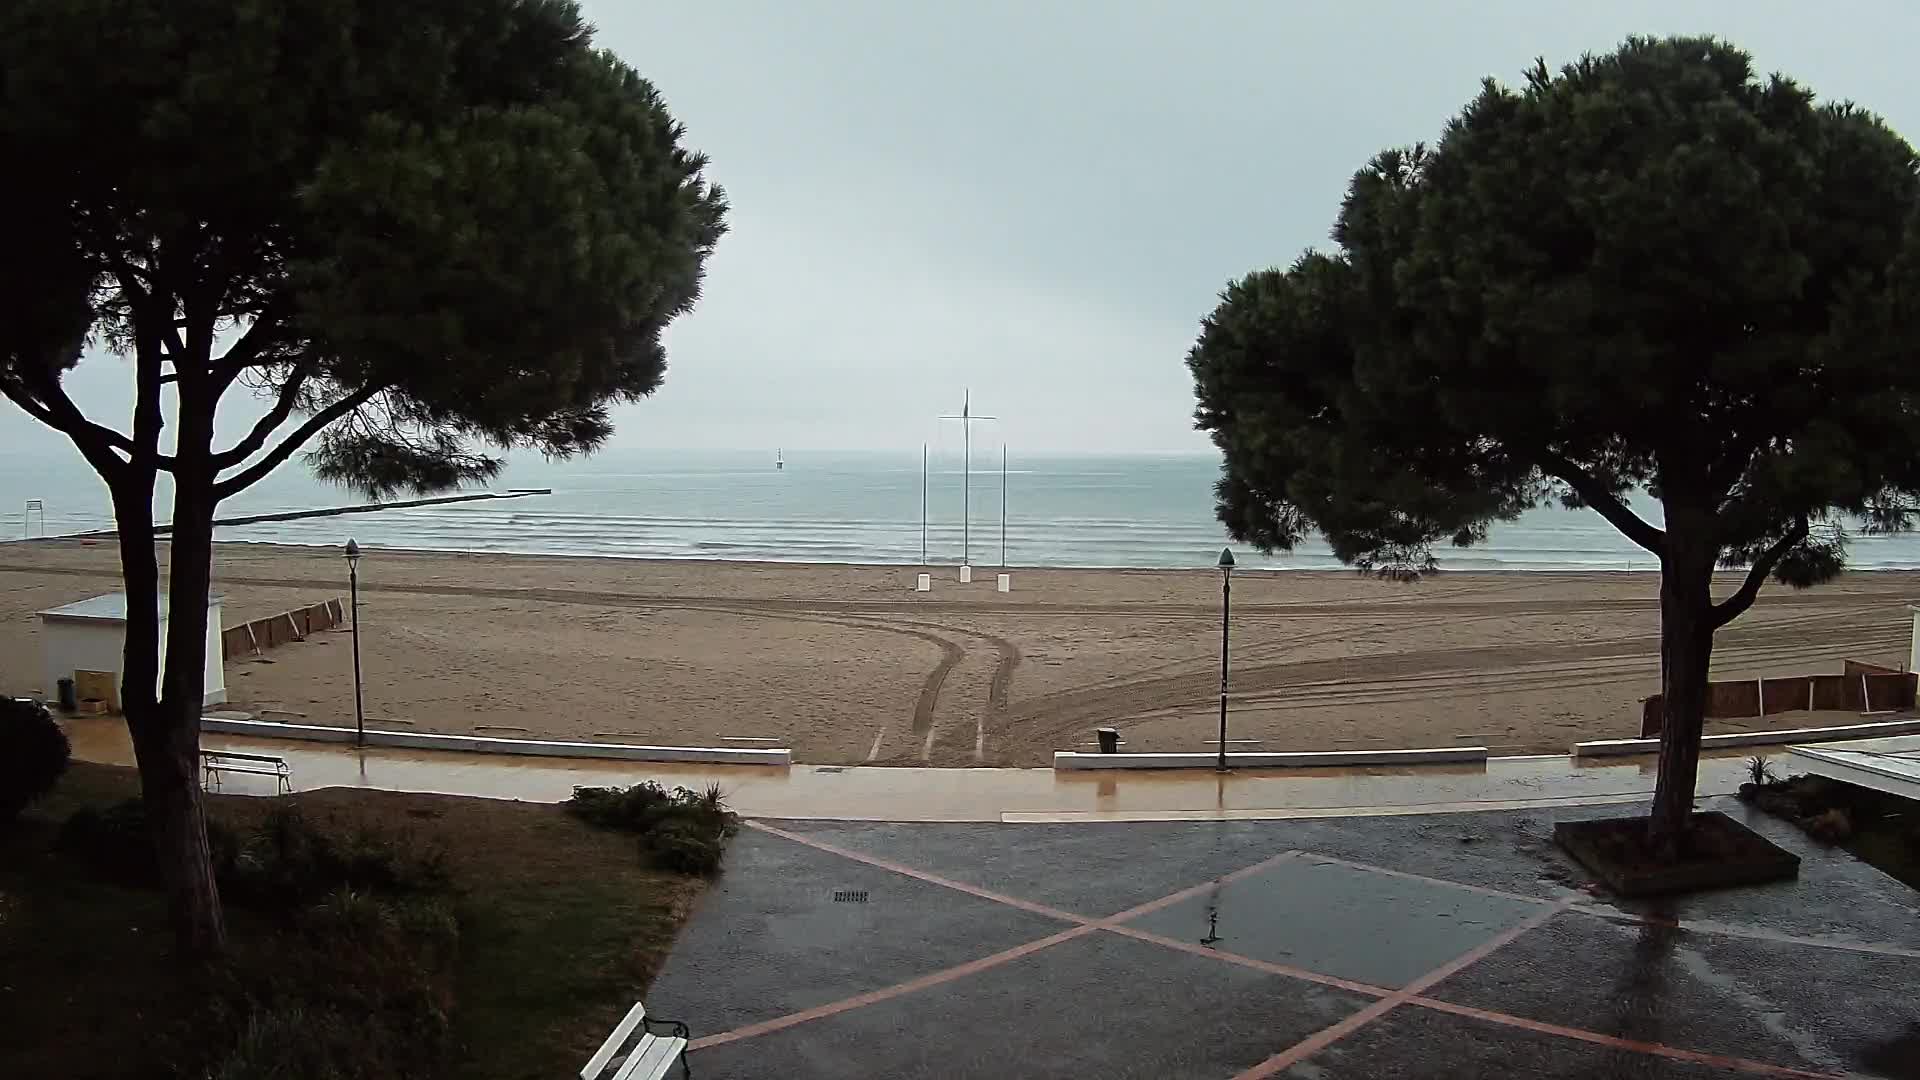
x,y
847,664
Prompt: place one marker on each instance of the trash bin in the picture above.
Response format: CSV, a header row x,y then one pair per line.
x,y
69,701
1109,739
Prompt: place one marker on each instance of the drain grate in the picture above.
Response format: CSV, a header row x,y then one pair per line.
x,y
850,896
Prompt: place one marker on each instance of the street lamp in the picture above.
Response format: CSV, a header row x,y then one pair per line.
x,y
1226,604
353,587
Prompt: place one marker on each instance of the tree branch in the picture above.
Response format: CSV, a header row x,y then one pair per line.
x,y
1609,505
263,428
245,351
1731,608
242,480
48,403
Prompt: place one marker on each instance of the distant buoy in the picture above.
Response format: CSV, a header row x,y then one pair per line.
x,y
779,461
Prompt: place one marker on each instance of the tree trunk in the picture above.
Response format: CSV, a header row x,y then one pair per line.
x,y
166,735
176,809
1686,651
166,745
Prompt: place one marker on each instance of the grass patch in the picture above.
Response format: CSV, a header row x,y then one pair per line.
x,y
551,928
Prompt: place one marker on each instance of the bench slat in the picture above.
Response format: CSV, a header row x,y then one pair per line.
x,y
598,1061
652,1058
235,755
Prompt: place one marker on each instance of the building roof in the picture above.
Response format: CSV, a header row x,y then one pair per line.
x,y
107,607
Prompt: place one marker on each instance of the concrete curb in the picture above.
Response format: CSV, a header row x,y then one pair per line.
x,y
482,744
1617,747
1473,755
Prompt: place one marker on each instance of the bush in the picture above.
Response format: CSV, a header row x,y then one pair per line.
x,y
288,862
284,864
685,847
33,754
361,988
680,830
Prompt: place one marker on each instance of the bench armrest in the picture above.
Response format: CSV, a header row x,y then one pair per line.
x,y
674,1027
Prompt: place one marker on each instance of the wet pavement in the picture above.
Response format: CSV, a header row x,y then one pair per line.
x,y
1410,946
944,794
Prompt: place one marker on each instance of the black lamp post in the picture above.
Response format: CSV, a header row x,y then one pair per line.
x,y
1226,605
353,588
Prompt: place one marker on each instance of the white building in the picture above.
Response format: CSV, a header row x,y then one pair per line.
x,y
90,635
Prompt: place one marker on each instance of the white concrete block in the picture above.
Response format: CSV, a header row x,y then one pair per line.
x,y
1004,583
1881,729
966,574
420,740
923,583
1250,759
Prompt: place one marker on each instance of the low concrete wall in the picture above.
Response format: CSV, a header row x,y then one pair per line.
x,y
1068,759
1615,747
481,744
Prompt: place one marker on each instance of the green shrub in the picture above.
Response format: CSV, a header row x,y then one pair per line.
x,y
114,839
685,847
282,865
633,809
360,989
33,754
288,862
681,830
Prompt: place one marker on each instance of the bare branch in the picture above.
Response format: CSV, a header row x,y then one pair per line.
x,y
314,425
283,407
1594,494
1730,609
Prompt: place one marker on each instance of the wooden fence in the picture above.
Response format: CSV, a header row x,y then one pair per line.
x,y
1861,688
256,637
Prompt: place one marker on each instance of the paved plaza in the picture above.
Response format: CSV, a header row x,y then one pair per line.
x,y
1415,946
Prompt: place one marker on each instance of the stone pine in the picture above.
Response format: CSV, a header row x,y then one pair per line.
x,y
1653,270
419,233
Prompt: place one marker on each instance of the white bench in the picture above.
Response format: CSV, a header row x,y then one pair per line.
x,y
648,1057
215,762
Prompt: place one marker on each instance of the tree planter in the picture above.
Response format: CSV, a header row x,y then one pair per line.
x,y
1716,852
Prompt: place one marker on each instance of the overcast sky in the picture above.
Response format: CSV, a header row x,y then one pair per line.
x,y
1039,200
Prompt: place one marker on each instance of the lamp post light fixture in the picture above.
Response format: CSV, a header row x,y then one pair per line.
x,y
353,589
1226,605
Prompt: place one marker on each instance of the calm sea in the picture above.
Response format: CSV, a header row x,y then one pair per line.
x,y
1142,511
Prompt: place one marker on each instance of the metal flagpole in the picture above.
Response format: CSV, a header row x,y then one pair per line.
x,y
1003,504
923,504
966,419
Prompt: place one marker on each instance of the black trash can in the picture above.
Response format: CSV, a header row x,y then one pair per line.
x,y
69,700
1109,739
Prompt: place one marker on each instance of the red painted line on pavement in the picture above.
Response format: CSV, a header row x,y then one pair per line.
x,y
1326,1037
1195,890
1249,962
922,875
1412,994
1615,1042
1481,889
945,975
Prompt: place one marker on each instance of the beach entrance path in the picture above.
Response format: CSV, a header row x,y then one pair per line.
x,y
1442,946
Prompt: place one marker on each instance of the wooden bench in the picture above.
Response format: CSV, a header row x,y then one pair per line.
x,y
215,762
649,1056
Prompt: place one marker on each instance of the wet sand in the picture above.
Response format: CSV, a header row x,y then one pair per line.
x,y
847,664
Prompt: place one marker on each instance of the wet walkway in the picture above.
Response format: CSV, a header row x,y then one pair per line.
x,y
1458,945
933,923
930,794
